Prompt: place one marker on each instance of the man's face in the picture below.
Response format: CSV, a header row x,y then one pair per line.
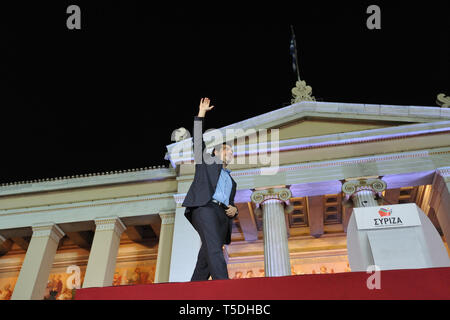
x,y
225,154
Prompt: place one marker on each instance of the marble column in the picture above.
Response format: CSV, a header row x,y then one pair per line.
x,y
164,247
363,192
276,250
35,271
103,255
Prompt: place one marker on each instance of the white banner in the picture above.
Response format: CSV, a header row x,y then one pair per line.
x,y
389,216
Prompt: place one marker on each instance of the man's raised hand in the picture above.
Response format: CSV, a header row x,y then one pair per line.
x,y
204,107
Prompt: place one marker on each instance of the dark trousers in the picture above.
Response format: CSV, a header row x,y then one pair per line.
x,y
211,223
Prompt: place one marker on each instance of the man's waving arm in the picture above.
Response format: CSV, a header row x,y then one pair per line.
x,y
199,144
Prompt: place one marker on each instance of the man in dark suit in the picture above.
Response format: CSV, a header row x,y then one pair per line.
x,y
210,202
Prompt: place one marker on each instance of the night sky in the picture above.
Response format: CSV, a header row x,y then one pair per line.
x,y
108,96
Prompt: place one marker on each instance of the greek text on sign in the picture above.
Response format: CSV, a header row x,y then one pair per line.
x,y
389,216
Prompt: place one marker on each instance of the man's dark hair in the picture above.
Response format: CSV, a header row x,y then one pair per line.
x,y
217,147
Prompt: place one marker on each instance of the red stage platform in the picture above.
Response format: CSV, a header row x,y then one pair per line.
x,y
433,283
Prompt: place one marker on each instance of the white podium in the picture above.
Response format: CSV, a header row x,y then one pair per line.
x,y
394,237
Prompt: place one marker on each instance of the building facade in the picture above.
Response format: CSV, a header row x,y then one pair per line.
x,y
290,165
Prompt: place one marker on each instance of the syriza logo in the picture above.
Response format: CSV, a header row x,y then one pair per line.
x,y
386,218
383,212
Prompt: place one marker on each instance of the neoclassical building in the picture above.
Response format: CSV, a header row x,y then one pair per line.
x,y
128,227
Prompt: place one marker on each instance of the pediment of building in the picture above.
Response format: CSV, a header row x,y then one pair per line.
x,y
320,122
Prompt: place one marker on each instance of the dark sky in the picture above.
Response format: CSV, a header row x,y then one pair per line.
x,y
108,96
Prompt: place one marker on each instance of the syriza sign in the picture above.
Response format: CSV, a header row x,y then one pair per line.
x,y
389,216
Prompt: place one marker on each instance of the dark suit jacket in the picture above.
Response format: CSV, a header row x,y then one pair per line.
x,y
207,172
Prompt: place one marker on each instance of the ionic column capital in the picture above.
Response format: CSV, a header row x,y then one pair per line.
x,y
276,250
48,230
364,191
167,217
374,185
110,224
278,193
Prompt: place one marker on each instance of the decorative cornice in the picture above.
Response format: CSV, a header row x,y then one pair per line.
x,y
244,176
96,174
87,180
84,204
341,163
